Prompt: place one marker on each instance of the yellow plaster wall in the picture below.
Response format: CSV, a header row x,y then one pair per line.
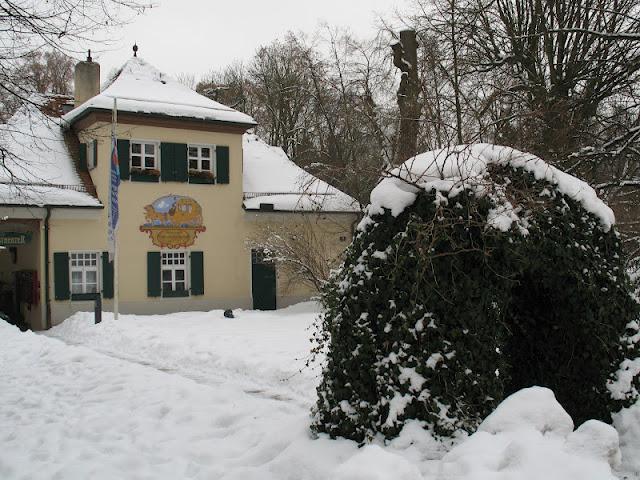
x,y
226,268
227,259
333,231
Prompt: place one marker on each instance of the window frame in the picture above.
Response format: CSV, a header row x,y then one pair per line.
x,y
173,268
199,158
84,294
143,156
91,157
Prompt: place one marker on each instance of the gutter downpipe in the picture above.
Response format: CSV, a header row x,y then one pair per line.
x,y
47,294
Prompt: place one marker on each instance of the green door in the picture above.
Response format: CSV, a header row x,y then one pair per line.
x,y
263,282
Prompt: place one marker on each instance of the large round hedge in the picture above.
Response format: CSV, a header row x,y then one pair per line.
x,y
477,271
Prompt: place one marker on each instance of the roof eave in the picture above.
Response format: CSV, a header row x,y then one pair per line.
x,y
275,210
103,114
49,205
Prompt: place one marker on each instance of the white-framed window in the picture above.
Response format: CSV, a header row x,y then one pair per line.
x,y
201,157
84,269
144,155
174,271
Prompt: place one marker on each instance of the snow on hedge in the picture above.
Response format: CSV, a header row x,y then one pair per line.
x,y
171,396
464,167
627,423
530,436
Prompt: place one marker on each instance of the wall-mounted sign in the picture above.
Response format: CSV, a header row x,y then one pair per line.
x,y
11,239
173,221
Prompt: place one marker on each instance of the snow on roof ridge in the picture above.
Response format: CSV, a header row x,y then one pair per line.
x,y
452,169
151,72
224,109
144,88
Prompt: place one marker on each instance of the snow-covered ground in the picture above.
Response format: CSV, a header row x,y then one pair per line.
x,y
197,395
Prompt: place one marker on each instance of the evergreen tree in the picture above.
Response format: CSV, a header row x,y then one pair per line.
x,y
437,316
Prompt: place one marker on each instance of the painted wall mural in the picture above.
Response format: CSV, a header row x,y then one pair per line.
x,y
173,221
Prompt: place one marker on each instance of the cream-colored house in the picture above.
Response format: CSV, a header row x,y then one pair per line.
x,y
195,191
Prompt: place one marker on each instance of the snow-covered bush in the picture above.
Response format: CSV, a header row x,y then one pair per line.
x,y
477,271
530,435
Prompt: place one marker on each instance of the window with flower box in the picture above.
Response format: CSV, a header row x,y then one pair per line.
x,y
201,163
153,161
144,161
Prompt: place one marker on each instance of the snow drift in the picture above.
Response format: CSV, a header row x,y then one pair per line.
x,y
76,413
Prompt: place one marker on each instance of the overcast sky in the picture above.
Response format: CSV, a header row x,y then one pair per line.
x,y
194,36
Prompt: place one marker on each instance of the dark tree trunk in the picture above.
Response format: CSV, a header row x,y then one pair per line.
x,y
405,58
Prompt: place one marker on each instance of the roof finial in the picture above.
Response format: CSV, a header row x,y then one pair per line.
x,y
89,59
135,50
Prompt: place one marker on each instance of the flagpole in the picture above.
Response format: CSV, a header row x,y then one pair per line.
x,y
115,236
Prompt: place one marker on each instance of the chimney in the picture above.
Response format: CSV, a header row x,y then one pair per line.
x,y
86,80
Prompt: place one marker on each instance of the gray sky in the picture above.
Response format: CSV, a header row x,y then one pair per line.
x,y
194,36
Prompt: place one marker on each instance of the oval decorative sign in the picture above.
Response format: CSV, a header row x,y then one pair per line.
x,y
173,221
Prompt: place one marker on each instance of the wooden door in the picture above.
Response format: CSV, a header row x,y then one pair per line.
x,y
263,281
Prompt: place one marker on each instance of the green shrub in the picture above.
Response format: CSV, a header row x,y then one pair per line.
x,y
437,316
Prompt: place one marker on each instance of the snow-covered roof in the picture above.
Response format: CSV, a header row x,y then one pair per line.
x,y
454,169
141,88
270,177
39,170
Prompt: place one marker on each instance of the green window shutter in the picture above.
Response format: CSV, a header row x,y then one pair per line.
x,y
61,275
166,162
107,276
95,153
173,159
180,164
123,158
222,164
153,274
197,273
83,157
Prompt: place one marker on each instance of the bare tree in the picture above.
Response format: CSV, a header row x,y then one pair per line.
x,y
65,27
59,28
306,251
187,79
556,78
405,58
229,86
326,104
49,72
280,86
349,141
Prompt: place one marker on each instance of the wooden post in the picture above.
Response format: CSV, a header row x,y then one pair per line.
x,y
405,58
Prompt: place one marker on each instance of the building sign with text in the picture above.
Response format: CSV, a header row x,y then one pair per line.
x,y
11,239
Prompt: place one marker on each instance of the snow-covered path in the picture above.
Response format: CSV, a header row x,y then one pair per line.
x,y
264,353
70,412
200,396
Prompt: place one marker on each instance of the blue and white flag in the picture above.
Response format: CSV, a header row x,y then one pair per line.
x,y
113,197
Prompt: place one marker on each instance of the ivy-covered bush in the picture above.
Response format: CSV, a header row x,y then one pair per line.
x,y
492,275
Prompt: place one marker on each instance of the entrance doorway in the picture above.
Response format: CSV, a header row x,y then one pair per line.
x,y
263,281
19,273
